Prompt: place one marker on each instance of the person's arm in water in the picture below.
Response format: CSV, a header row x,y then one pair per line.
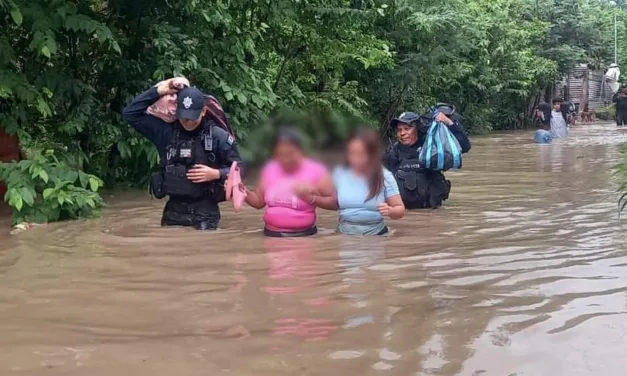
x,y
325,195
154,129
393,206
322,195
255,198
457,130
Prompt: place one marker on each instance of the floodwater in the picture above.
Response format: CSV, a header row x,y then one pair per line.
x,y
524,272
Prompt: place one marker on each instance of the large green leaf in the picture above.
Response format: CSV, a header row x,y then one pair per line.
x,y
16,15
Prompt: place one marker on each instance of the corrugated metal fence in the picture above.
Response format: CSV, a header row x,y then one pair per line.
x,y
599,93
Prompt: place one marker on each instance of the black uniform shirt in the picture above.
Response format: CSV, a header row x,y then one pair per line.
x,y
160,133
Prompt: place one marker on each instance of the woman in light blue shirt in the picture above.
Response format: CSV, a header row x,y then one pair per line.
x,y
365,192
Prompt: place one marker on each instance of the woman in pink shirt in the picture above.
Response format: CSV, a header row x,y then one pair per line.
x,y
287,172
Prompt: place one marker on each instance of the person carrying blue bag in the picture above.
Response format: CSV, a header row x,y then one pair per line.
x,y
440,151
420,186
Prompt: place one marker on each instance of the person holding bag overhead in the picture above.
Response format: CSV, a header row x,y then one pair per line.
x,y
421,187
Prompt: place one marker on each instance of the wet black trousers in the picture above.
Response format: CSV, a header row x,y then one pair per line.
x,y
621,118
202,214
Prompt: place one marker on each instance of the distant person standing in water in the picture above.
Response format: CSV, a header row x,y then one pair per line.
x,y
620,104
559,127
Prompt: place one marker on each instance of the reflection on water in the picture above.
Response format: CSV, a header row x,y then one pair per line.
x,y
524,272
293,276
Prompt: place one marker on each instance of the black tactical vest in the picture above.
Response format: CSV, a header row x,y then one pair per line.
x,y
419,187
185,150
408,175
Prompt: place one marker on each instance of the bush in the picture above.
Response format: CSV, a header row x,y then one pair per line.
x,y
606,113
42,189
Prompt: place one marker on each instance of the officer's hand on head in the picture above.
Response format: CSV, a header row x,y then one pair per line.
x,y
172,86
441,118
203,174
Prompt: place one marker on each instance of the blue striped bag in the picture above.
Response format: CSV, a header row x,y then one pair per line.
x,y
441,150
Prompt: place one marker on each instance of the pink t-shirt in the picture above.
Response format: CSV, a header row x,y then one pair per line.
x,y
285,211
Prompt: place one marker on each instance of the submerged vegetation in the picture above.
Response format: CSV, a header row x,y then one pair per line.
x,y
67,69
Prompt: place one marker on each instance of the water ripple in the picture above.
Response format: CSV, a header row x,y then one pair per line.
x,y
524,272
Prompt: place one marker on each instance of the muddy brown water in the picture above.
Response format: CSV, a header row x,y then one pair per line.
x,y
524,272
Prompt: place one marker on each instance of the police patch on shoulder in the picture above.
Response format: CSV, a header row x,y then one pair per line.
x,y
230,140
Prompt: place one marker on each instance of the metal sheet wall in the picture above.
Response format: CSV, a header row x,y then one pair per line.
x,y
599,95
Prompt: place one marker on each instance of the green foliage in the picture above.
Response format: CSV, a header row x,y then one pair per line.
x,y
581,32
479,55
43,189
606,113
68,68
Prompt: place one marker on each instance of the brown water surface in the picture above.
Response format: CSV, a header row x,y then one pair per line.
x,y
524,272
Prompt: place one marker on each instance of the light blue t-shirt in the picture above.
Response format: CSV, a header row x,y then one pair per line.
x,y
352,191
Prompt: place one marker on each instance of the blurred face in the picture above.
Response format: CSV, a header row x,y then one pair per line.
x,y
288,155
357,156
406,134
190,125
557,106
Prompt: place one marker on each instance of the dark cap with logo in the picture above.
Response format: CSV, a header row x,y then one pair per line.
x,y
189,104
410,118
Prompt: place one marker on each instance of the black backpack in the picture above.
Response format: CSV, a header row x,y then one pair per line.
x,y
445,108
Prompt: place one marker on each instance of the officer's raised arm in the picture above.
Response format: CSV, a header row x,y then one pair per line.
x,y
456,128
153,128
460,134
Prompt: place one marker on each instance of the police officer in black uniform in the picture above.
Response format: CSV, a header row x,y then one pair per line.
x,y
196,156
620,103
420,187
